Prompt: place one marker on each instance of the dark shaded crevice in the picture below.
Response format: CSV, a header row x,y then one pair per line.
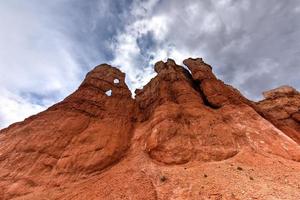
x,y
196,85
172,95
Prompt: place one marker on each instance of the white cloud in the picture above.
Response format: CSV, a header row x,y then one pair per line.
x,y
34,59
233,36
126,50
46,49
14,108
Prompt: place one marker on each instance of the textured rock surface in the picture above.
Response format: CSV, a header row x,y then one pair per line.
x,y
283,104
280,92
185,136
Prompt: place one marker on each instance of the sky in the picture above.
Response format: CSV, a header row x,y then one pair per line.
x,y
47,47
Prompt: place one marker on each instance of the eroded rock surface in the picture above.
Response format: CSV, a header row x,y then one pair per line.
x,y
86,132
283,104
186,135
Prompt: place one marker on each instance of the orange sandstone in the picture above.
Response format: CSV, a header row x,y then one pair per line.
x,y
186,135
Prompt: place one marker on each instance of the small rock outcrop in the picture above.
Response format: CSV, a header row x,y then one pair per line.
x,y
186,135
282,91
283,105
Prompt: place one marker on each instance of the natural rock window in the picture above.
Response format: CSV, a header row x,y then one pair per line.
x,y
116,81
108,93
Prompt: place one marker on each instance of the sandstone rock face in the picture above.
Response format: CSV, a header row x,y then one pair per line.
x,y
283,104
86,132
184,136
280,92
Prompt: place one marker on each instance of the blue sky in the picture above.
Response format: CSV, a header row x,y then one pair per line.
x,y
47,47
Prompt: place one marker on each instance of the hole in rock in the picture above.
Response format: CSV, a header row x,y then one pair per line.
x,y
108,93
116,81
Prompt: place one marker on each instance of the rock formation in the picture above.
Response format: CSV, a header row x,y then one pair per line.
x,y
186,135
283,105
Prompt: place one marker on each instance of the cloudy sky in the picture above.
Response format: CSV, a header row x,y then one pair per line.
x,y
47,47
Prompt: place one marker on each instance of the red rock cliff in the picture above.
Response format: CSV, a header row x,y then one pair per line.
x,y
283,105
186,135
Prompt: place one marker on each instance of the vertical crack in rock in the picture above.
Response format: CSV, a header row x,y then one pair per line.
x,y
215,92
196,85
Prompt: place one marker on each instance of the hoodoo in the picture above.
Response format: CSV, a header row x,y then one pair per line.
x,y
186,135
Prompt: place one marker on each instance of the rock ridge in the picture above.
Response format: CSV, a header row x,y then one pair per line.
x,y
100,143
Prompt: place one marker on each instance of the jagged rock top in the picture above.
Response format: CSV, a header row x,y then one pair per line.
x,y
200,70
284,90
105,77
